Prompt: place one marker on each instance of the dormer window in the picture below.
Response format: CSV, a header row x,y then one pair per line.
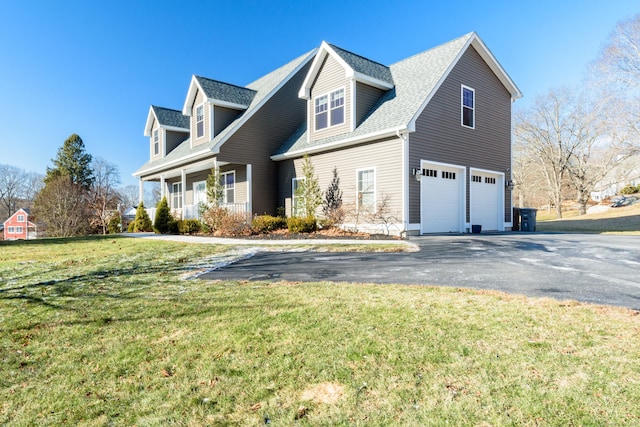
x,y
200,121
156,143
329,109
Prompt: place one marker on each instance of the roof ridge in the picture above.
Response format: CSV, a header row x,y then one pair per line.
x,y
468,35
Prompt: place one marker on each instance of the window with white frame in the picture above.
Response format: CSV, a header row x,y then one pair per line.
x,y
468,107
329,109
297,207
176,195
366,196
156,143
228,182
199,192
199,121
11,230
19,230
20,218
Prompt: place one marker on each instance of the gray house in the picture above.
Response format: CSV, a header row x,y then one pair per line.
x,y
420,146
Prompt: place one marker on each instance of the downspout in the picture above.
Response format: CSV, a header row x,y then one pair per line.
x,y
404,137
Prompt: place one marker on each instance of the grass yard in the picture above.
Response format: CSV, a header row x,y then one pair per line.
x,y
617,220
105,331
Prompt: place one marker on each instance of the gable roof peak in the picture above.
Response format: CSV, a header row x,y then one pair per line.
x,y
218,92
167,118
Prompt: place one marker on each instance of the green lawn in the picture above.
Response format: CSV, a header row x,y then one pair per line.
x,y
617,220
105,331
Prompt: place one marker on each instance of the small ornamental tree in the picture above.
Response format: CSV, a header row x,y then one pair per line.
x,y
142,221
163,220
214,187
308,193
332,204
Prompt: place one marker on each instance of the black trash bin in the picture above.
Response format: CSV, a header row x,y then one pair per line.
x,y
515,220
528,219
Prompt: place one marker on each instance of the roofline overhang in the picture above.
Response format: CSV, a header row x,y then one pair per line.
x,y
397,131
194,85
168,165
227,104
150,117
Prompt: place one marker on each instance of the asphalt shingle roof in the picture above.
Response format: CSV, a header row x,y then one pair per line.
x,y
261,89
221,91
364,66
169,117
414,77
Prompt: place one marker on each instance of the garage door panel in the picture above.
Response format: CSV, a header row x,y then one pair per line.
x,y
485,200
441,202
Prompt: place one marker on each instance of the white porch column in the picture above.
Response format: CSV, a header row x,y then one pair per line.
x,y
140,190
163,186
184,190
249,192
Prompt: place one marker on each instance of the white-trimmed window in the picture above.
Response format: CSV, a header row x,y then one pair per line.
x,y
11,230
228,182
296,202
176,195
199,192
329,109
18,230
468,107
20,218
366,196
156,142
199,121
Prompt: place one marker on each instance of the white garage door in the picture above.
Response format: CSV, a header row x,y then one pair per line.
x,y
485,200
441,198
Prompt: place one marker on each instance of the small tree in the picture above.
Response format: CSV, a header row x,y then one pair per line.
x,y
142,221
115,223
163,220
308,193
214,187
332,204
59,207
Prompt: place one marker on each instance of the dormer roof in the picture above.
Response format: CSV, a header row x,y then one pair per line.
x,y
355,66
167,118
218,93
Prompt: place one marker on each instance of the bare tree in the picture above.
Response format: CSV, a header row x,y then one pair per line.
x,y
12,185
59,208
103,198
129,195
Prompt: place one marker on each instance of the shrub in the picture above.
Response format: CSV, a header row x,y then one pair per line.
x,y
268,223
142,221
630,189
115,225
221,222
302,224
131,227
189,226
162,223
332,204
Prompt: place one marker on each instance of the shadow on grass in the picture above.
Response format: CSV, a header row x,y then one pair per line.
x,y
592,225
60,240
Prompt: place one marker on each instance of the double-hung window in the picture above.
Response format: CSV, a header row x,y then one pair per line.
x,y
20,218
228,182
176,195
366,196
468,107
156,143
329,109
199,121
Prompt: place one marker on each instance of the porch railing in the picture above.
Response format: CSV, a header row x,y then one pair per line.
x,y
193,211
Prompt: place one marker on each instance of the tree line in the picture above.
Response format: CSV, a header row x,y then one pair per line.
x,y
78,195
570,138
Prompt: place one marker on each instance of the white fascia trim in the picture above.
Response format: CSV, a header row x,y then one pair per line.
x,y
216,148
227,104
174,128
353,124
371,81
193,156
339,144
191,94
150,117
323,51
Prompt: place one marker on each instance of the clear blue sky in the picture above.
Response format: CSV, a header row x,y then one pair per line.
x,y
93,68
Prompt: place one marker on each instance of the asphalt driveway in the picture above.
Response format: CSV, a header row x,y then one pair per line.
x,y
600,269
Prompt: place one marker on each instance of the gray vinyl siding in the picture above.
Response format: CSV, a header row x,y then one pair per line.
x,y
330,77
440,136
261,136
384,156
173,139
198,100
222,117
240,184
366,96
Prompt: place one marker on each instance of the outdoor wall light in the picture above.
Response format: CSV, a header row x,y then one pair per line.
x,y
417,172
508,184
